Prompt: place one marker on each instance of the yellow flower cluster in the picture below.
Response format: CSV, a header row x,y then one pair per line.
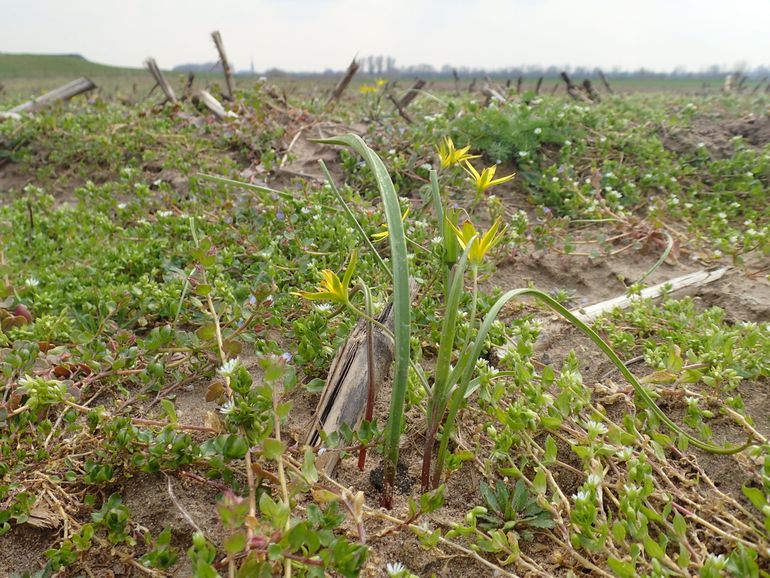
x,y
372,88
450,156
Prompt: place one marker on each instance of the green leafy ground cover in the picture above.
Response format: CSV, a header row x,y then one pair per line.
x,y
152,338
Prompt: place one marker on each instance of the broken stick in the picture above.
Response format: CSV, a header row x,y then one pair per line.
x,y
345,395
411,94
343,83
572,90
400,110
492,95
605,82
211,103
591,91
225,65
65,92
588,314
160,80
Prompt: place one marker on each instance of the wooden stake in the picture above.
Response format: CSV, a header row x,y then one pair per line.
x,y
591,91
759,85
519,83
344,398
538,85
492,94
572,90
605,82
411,94
343,83
400,110
225,65
65,92
188,85
161,81
457,81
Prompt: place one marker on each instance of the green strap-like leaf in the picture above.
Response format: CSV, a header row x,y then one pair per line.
x,y
401,298
470,363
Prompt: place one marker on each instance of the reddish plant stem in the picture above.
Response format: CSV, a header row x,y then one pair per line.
x,y
370,393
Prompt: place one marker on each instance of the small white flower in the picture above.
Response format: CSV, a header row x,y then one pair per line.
x,y
32,282
594,480
522,153
595,428
165,213
229,367
567,143
227,407
122,206
538,130
323,307
394,569
581,496
624,454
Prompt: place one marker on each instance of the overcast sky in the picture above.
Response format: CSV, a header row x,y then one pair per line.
x,y
319,34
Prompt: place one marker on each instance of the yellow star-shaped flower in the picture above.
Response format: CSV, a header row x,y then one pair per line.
x,y
450,156
332,288
482,244
487,177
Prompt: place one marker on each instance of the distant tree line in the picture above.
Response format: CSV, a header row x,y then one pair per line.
x,y
381,65
200,67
